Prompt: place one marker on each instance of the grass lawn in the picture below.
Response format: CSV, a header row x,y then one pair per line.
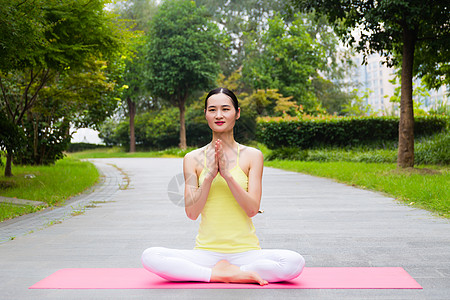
x,y
9,211
424,187
51,184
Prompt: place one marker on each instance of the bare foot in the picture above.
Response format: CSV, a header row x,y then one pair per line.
x,y
223,271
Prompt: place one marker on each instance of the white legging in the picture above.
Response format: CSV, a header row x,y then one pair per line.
x,y
272,265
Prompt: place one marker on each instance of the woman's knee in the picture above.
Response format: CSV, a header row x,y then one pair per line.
x,y
294,264
151,257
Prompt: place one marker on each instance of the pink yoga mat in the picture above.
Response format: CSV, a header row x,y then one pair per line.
x,y
311,278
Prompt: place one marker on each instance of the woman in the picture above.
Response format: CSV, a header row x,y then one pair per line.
x,y
223,184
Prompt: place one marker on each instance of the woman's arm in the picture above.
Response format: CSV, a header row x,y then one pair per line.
x,y
249,200
195,196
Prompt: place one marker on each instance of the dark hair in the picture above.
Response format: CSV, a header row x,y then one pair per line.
x,y
226,92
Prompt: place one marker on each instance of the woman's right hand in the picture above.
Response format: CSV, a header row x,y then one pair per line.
x,y
212,162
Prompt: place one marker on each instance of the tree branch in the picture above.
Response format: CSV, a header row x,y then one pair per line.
x,y
21,3
34,97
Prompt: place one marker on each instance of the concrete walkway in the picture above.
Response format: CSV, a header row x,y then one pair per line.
x,y
331,224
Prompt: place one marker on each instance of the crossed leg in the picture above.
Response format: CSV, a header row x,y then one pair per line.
x,y
255,266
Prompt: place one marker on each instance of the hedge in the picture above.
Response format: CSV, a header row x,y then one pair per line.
x,y
340,131
76,147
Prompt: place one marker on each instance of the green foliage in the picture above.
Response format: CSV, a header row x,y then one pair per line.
x,y
335,154
158,129
69,74
54,34
358,106
332,96
10,211
22,28
429,150
182,50
300,58
77,147
154,129
138,13
316,132
241,22
268,102
45,143
413,35
382,25
12,138
285,59
434,150
182,53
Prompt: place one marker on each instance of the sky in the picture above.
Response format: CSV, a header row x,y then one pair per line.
x,y
85,135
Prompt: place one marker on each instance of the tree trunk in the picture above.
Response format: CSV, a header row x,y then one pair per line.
x,y
8,168
183,144
132,111
405,157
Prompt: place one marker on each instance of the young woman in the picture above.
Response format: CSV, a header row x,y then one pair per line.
x,y
223,185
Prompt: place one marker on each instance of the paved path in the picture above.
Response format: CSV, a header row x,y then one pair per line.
x,y
331,224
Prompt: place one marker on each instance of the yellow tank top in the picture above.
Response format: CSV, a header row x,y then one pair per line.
x,y
224,226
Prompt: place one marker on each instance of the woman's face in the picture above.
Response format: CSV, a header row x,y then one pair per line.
x,y
220,113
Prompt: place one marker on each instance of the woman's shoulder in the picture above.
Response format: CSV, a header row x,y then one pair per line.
x,y
250,152
194,154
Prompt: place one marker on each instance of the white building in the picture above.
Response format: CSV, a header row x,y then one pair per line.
x,y
374,80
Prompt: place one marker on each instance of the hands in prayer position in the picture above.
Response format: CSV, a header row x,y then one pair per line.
x,y
220,163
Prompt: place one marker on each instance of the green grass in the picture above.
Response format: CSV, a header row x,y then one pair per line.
x,y
427,188
120,152
51,184
9,211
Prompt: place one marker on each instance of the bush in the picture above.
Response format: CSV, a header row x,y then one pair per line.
x,y
434,150
76,147
45,142
340,132
329,155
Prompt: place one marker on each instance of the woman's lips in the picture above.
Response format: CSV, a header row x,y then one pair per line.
x,y
220,123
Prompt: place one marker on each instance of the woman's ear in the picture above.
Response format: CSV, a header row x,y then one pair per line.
x,y
238,113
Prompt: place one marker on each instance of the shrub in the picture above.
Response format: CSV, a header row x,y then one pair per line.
x,y
75,147
329,155
434,150
341,132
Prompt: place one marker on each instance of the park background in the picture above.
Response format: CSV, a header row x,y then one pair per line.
x,y
138,71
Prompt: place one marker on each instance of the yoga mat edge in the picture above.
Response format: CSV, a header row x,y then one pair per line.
x,y
311,278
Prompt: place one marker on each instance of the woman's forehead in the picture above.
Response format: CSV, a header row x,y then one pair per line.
x,y
219,100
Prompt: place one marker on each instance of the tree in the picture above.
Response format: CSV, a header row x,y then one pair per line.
x,y
358,106
413,34
139,12
286,59
84,97
44,38
241,21
182,54
11,138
